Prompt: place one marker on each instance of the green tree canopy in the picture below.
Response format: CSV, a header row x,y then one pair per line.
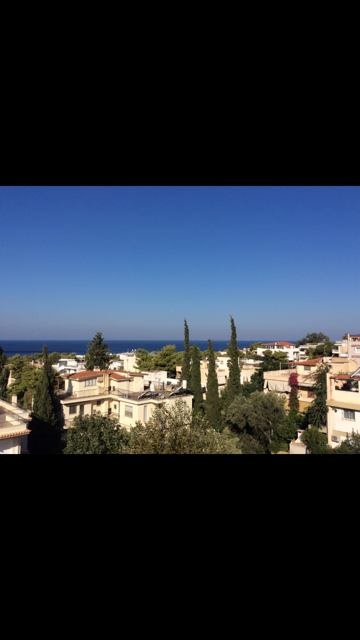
x,y
195,382
54,357
98,355
317,412
3,359
143,360
46,404
165,360
350,445
186,369
233,384
96,434
324,350
316,441
279,356
260,416
312,338
174,430
212,404
4,376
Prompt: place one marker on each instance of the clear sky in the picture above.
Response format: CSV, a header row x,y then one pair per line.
x,y
133,262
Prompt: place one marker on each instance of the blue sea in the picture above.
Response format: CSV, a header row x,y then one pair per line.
x,y
80,347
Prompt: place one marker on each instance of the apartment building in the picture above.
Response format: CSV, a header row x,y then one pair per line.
x,y
122,395
343,392
278,381
13,427
68,365
349,347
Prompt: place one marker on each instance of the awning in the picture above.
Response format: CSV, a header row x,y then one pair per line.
x,y
277,385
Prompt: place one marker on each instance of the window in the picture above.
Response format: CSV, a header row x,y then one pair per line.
x,y
114,406
73,409
98,402
307,368
90,383
128,411
357,349
349,415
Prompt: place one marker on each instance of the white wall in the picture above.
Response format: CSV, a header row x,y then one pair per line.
x,y
10,445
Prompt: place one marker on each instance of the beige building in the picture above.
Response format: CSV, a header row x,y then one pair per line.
x,y
122,395
348,348
13,427
278,381
343,392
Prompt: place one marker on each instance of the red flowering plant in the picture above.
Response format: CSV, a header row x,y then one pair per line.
x,y
293,399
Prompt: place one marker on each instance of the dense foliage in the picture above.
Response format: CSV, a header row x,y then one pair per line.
x,y
259,417
96,434
312,338
98,355
174,430
170,430
195,384
233,384
46,404
212,405
317,412
186,367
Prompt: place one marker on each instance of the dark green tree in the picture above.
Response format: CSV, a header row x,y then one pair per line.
x,y
3,359
96,434
233,384
165,360
25,380
143,360
279,356
350,445
212,405
317,412
260,416
195,384
174,430
46,403
185,370
44,438
98,355
4,376
54,357
312,338
324,349
316,441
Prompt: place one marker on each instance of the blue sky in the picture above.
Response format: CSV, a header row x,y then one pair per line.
x,y
132,262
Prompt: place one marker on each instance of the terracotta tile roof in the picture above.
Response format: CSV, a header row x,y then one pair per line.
x,y
118,376
134,373
282,344
14,434
310,362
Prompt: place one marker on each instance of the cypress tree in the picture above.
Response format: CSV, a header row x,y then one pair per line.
x,y
233,385
316,414
45,400
196,380
212,406
98,354
185,369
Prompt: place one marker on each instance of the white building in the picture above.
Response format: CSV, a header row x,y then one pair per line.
x,y
13,427
120,394
289,348
343,392
68,365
